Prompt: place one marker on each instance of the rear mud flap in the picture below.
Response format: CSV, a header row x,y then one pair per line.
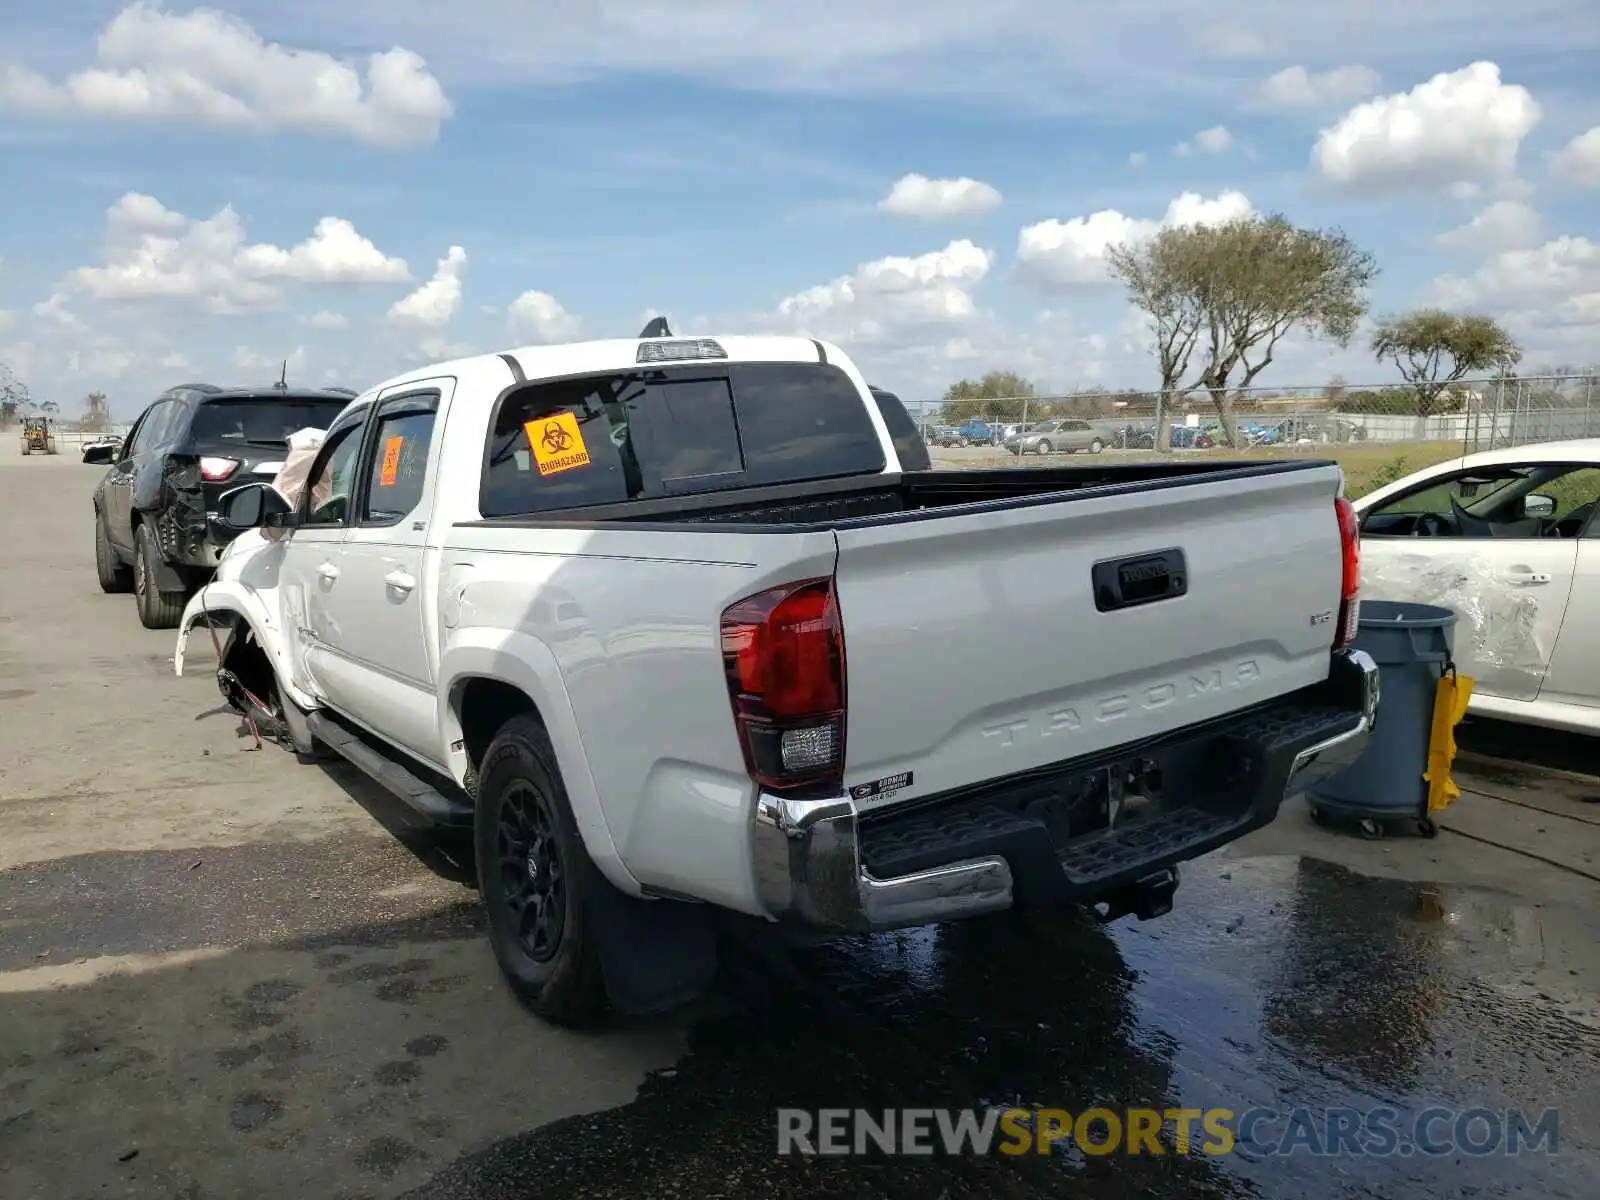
x,y
655,954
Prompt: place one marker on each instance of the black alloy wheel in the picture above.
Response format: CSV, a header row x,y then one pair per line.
x,y
533,872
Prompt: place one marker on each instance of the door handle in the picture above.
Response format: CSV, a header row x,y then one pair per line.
x,y
1524,576
328,571
399,581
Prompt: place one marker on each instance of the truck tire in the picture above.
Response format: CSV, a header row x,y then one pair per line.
x,y
116,577
157,609
536,878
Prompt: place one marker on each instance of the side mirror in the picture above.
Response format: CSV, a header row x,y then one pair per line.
x,y
101,455
250,507
1537,504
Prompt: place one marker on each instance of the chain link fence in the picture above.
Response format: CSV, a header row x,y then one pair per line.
x,y
1377,432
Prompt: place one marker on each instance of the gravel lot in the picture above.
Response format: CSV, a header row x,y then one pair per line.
x,y
226,974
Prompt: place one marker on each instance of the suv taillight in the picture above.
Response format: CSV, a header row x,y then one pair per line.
x,y
215,470
783,654
1350,588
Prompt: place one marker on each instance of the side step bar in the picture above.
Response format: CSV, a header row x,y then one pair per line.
x,y
410,789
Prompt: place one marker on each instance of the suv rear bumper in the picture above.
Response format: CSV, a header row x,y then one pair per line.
x,y
823,864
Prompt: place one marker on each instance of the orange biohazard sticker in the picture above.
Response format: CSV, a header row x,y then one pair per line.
x,y
557,443
391,461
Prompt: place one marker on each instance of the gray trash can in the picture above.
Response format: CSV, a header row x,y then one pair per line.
x,y
1412,644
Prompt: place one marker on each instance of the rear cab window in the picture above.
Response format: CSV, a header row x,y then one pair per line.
x,y
672,431
260,420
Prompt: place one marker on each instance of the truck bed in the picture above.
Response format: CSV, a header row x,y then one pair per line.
x,y
885,499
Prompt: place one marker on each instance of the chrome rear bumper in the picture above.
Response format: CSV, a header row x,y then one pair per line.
x,y
808,855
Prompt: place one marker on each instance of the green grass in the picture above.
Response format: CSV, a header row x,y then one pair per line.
x,y
1366,467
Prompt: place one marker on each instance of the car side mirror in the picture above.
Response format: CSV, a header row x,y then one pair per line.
x,y
251,506
100,455
1537,504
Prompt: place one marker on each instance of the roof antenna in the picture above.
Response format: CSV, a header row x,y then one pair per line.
x,y
283,377
656,329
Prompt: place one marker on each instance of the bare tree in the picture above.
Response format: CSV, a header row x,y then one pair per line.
x,y
1434,350
96,412
14,399
1158,274
1249,282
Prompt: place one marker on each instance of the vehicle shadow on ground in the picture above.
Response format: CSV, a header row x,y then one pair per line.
x,y
445,852
1531,744
987,1013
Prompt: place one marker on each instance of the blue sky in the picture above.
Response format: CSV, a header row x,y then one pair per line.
x,y
618,159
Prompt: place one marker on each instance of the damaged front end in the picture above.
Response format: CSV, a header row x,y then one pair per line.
x,y
239,611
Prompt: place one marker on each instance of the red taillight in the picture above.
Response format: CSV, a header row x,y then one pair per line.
x,y
783,654
1350,588
215,470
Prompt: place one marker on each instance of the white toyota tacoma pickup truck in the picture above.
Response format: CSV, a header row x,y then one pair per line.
x,y
665,623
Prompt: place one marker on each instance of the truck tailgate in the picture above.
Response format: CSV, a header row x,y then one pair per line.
x,y
975,649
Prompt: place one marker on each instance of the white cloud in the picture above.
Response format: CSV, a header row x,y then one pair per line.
x,y
1579,159
7,319
1538,288
1138,158
1459,125
1065,253
1504,225
208,68
325,320
927,199
153,253
436,301
1216,140
890,296
1296,87
54,310
247,358
539,315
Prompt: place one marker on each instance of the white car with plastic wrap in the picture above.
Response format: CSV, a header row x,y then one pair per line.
x,y
1510,540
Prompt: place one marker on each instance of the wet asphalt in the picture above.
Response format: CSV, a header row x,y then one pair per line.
x,y
226,974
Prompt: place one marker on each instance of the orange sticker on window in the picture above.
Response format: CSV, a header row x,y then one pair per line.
x,y
391,461
557,443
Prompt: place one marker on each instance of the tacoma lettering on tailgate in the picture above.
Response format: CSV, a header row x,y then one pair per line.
x,y
1072,718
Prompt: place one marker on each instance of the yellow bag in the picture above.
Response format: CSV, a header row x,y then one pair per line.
x,y
1449,706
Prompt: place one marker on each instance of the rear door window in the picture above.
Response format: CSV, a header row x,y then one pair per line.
x,y
261,421
675,431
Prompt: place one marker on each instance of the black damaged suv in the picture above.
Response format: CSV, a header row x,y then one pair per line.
x,y
154,533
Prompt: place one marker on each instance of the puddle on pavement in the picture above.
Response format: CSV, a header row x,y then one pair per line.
x,y
1277,982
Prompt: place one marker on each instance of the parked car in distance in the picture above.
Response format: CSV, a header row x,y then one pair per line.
x,y
1049,437
154,528
1191,437
102,450
1510,540
595,602
977,433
